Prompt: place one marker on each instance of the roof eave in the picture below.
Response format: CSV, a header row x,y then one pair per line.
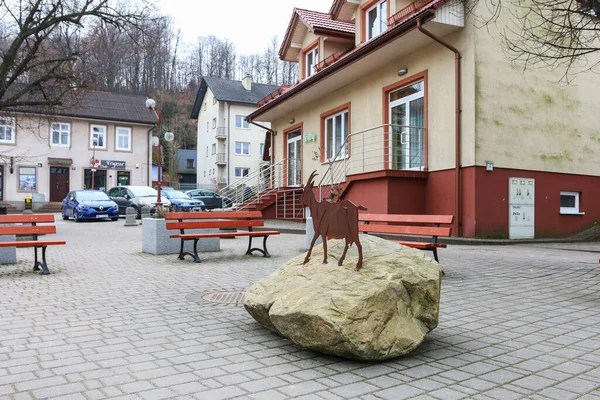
x,y
358,54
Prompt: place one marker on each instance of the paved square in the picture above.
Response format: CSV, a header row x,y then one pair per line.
x,y
112,322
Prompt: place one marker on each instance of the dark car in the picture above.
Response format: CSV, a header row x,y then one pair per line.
x,y
89,204
182,202
137,197
211,199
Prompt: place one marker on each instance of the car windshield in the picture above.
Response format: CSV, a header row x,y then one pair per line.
x,y
92,195
142,191
176,194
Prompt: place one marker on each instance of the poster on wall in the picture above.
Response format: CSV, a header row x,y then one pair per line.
x,y
27,179
521,208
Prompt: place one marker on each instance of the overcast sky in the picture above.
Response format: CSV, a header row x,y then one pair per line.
x,y
249,24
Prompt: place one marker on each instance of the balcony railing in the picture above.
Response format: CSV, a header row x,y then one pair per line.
x,y
221,133
406,12
221,159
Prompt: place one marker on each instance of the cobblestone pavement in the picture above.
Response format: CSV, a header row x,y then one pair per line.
x,y
111,322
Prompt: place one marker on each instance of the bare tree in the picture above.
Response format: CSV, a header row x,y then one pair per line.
x,y
40,49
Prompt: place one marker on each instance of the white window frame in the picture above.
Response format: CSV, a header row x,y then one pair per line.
x,y
214,149
310,68
261,150
125,132
59,127
7,123
243,146
214,100
241,123
207,124
571,210
214,124
380,7
92,133
241,172
336,146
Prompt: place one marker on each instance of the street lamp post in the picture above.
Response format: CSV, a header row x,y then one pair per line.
x,y
151,105
94,143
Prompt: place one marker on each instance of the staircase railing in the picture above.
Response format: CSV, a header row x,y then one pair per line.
x,y
373,149
288,205
257,184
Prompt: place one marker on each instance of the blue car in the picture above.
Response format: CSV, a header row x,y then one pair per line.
x,y
89,204
182,202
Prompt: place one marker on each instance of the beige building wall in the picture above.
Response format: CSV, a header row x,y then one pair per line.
x,y
33,147
366,98
527,120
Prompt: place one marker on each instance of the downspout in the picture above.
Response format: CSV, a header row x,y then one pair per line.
x,y
272,138
149,172
228,141
457,178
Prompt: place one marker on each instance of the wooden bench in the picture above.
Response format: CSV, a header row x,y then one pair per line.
x,y
401,224
33,230
218,220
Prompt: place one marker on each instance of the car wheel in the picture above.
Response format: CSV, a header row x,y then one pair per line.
x,y
75,217
138,212
64,216
114,219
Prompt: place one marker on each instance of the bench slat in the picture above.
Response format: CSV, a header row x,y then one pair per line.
x,y
32,243
421,245
413,219
27,230
213,215
26,218
214,224
408,230
224,234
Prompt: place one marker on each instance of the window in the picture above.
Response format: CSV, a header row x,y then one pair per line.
x,y
214,123
206,151
123,178
123,139
27,179
98,135
242,148
213,171
240,122
214,148
189,163
407,139
7,130
336,132
241,172
311,59
214,100
205,174
262,149
207,126
569,203
204,106
375,18
209,172
60,134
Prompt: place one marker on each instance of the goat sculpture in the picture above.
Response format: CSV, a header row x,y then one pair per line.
x,y
332,220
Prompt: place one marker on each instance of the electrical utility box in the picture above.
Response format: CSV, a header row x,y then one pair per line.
x,y
521,208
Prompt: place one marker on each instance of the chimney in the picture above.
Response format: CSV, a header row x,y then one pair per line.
x,y
247,82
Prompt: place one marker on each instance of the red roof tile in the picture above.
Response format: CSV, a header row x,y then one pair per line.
x,y
315,19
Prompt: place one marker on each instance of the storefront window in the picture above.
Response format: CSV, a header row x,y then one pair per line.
x,y
99,179
27,179
123,178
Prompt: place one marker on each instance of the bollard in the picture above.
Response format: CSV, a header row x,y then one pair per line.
x,y
145,213
130,215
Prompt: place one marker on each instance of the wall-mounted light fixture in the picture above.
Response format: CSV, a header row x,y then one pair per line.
x,y
292,121
402,72
39,164
12,165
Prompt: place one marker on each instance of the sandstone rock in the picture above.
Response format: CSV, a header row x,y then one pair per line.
x,y
382,311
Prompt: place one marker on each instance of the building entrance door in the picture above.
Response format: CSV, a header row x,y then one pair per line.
x,y
59,183
294,149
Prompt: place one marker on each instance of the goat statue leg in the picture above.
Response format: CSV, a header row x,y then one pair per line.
x,y
312,243
343,257
359,247
324,248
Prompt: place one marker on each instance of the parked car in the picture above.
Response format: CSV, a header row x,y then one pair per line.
x,y
211,199
182,202
88,204
136,197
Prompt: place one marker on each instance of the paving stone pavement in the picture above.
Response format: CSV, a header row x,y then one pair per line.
x,y
110,322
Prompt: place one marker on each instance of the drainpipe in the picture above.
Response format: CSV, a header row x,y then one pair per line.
x,y
149,172
272,138
457,182
228,158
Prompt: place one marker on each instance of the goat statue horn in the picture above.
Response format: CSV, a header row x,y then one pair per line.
x,y
311,177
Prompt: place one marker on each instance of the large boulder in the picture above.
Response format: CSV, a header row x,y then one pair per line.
x,y
382,311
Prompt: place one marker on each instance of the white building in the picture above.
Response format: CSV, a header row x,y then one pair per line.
x,y
102,142
228,147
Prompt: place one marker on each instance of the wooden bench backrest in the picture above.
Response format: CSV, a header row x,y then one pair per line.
x,y
405,230
27,229
405,218
223,219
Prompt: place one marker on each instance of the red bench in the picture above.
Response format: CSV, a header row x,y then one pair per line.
x,y
410,225
224,219
33,230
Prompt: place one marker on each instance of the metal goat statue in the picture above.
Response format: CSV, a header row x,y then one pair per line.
x,y
332,220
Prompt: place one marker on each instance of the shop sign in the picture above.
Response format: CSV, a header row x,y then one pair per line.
x,y
113,164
